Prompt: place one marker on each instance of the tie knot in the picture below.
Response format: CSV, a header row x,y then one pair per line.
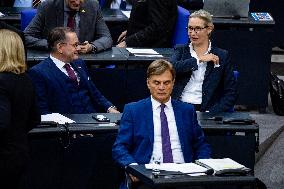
x,y
67,66
163,106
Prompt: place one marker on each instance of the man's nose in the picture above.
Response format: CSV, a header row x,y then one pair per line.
x,y
162,86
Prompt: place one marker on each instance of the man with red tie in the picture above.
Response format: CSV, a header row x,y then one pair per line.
x,y
84,16
159,127
62,82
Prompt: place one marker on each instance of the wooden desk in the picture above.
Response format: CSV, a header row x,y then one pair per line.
x,y
183,181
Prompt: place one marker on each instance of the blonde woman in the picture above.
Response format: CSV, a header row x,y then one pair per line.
x,y
204,72
18,111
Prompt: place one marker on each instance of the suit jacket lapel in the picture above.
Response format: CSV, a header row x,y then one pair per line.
x,y
83,22
149,119
209,69
58,75
206,82
179,122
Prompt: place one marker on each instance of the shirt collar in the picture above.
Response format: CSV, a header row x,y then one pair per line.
x,y
57,62
156,104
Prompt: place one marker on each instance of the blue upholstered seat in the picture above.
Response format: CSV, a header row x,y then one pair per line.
x,y
180,33
26,17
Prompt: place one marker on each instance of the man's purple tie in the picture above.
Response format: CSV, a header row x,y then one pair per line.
x,y
71,73
71,19
166,143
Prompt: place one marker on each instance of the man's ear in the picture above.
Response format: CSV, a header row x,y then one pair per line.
x,y
59,47
147,82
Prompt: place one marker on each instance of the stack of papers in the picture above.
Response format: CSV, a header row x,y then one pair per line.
x,y
144,52
57,118
220,164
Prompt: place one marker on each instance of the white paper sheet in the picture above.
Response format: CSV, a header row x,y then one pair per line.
x,y
142,51
151,55
183,167
56,117
126,13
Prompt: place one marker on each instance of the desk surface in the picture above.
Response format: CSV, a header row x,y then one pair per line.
x,y
85,123
181,180
114,55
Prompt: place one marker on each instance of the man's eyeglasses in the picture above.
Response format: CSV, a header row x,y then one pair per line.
x,y
196,29
75,45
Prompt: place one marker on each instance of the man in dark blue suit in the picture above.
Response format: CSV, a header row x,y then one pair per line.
x,y
62,82
159,127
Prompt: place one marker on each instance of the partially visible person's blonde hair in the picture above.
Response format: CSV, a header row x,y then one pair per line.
x,y
12,52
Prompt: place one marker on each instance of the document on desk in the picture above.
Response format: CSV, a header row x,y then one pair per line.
x,y
56,117
220,164
186,168
144,52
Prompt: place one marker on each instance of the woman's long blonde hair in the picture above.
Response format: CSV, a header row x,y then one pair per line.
x,y
12,52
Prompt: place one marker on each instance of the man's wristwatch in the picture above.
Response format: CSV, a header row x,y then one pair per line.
x,y
111,108
94,48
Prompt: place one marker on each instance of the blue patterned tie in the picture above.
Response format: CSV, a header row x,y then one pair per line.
x,y
166,143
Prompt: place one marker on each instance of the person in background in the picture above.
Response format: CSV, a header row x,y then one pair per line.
x,y
151,24
84,16
159,127
18,109
204,73
62,82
